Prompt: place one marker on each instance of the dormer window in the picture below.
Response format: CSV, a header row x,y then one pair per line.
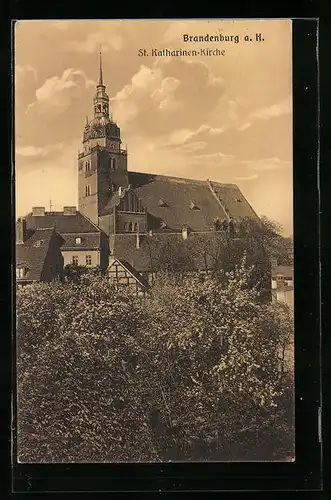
x,y
194,206
78,240
162,203
38,243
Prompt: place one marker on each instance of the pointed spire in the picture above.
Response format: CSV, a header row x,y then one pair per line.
x,y
100,76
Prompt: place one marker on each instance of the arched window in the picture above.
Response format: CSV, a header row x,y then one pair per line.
x,y
130,226
125,226
136,226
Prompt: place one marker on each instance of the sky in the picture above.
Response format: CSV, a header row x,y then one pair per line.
x,y
224,118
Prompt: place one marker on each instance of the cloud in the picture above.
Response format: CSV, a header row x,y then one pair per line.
x,y
281,108
25,70
108,40
267,164
147,84
38,152
57,93
248,177
168,94
244,126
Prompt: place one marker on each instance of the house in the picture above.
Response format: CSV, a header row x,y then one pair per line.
x,y
125,219
282,284
38,254
83,242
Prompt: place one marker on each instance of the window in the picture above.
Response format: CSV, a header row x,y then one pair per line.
x,y
78,241
88,260
20,272
130,226
162,203
75,260
112,163
136,226
87,166
194,206
88,190
125,226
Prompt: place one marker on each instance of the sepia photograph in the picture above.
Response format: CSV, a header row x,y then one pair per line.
x,y
154,285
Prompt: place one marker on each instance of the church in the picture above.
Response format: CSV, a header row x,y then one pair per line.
x,y
123,214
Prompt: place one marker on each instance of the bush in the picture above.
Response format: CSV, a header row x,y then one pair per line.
x,y
192,373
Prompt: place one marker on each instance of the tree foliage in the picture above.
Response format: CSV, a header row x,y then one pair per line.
x,y
193,373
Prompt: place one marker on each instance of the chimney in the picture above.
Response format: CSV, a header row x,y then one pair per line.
x,y
137,239
184,232
69,210
38,211
20,231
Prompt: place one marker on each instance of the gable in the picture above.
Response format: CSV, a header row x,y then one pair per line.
x,y
124,274
130,202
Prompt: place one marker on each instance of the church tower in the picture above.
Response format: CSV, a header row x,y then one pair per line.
x,y
102,166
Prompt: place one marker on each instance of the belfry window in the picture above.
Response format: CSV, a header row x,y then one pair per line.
x,y
112,163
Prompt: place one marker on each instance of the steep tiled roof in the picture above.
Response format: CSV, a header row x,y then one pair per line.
x,y
180,195
77,223
69,226
33,257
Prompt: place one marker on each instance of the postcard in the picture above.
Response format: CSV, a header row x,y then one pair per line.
x,y
154,241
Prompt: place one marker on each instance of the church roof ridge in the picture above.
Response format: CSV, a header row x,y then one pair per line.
x,y
184,179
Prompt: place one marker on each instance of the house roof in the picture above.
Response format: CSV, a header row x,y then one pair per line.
x,y
69,226
76,223
33,257
180,195
286,271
